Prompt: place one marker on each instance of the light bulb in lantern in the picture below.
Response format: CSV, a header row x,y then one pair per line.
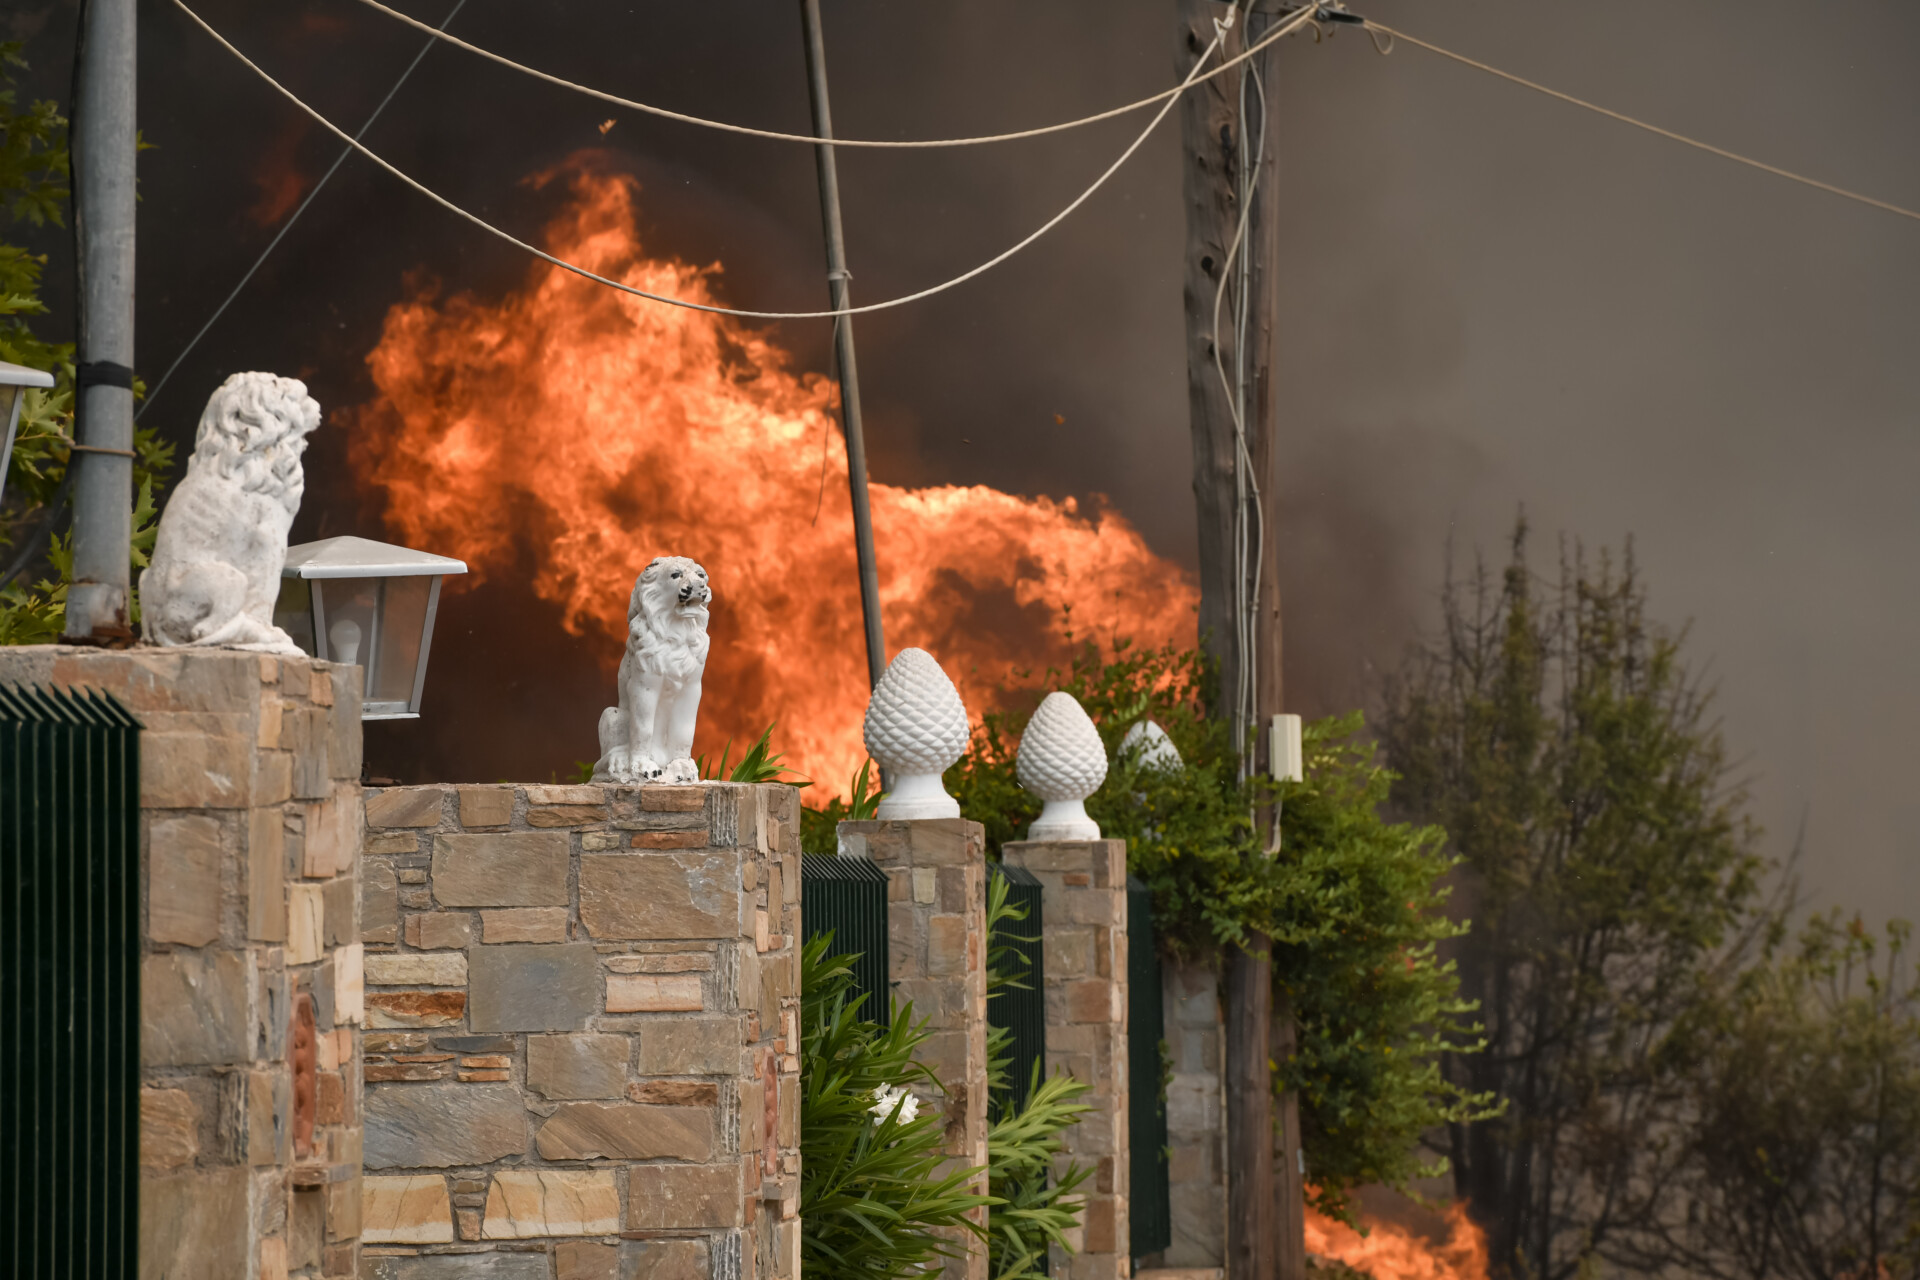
x,y
344,637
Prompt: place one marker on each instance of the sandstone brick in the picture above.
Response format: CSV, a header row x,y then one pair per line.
x,y
273,1258
194,1223
384,842
306,923
653,993
330,1099
266,876
415,1008
439,1126
533,987
195,771
340,901
320,686
524,924
564,815
407,1210
439,931
1092,1000
691,1047
669,839
660,896
272,778
193,1009
457,1266
349,984
503,869
586,1260
417,969
343,1209
663,1260
332,831
675,1093
183,898
601,841
626,1131
570,794
578,1066
169,1128
394,1042
527,1203
486,806
404,807
947,946
673,799
269,1117
681,962
683,1197
379,902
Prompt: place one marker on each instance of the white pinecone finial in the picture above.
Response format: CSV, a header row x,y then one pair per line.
x,y
1155,748
1063,762
916,727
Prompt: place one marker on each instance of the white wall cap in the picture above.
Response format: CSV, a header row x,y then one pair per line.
x,y
18,375
350,557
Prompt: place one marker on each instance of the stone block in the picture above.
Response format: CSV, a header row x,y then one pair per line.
x,y
578,1066
404,807
417,969
340,900
679,1197
389,842
675,1093
266,876
692,839
272,778
533,987
528,1203
691,1046
947,946
438,1126
269,1117
306,923
486,806
312,769
195,771
193,1009
654,993
193,1226
349,984
407,1210
456,1266
625,1131
524,924
673,799
169,1128
186,854
379,902
591,794
439,931
1092,1000
343,1209
387,1009
663,1260
564,815
586,1260
659,896
332,833
503,869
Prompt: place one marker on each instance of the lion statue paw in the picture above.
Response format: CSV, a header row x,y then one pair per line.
x,y
680,771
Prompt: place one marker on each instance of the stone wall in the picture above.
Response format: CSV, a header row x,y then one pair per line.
x,y
250,967
1084,883
936,943
582,1012
1196,1116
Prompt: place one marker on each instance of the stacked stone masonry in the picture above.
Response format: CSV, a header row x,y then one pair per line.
x,y
1084,888
1196,1116
936,942
250,970
582,1046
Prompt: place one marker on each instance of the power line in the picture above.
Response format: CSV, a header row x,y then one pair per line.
x,y
1775,170
1318,9
287,226
1300,18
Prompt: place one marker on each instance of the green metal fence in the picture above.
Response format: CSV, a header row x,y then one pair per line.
x,y
847,897
69,983
1149,1206
1021,1010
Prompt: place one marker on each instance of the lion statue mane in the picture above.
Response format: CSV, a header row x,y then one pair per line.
x,y
223,535
649,736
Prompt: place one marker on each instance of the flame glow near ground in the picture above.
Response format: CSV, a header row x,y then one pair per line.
x,y
1392,1252
581,432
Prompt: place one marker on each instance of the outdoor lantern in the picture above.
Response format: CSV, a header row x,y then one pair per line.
x,y
14,381
367,604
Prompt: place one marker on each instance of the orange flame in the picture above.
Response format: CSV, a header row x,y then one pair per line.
x,y
591,430
1392,1252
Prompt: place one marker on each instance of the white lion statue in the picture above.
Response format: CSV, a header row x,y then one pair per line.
x,y
223,536
649,736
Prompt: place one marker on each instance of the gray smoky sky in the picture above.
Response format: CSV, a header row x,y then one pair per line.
x,y
1490,299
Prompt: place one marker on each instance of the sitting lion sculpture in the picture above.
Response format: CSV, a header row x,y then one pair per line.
x,y
649,736
223,536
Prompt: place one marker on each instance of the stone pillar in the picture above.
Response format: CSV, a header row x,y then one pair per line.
x,y
1084,894
936,940
1196,1115
250,969
582,1053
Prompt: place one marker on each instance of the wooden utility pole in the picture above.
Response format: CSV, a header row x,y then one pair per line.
x,y
1222,141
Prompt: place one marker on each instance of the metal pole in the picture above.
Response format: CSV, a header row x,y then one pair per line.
x,y
103,160
838,280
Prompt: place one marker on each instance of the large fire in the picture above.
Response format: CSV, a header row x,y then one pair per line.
x,y
584,431
1392,1252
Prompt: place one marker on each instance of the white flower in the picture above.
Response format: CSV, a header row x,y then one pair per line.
x,y
887,1096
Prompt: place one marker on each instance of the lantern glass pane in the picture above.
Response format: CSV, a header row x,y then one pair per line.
x,y
351,607
401,625
293,611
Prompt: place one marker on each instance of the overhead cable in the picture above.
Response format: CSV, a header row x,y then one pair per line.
x,y
1286,27
1394,35
287,226
1297,20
